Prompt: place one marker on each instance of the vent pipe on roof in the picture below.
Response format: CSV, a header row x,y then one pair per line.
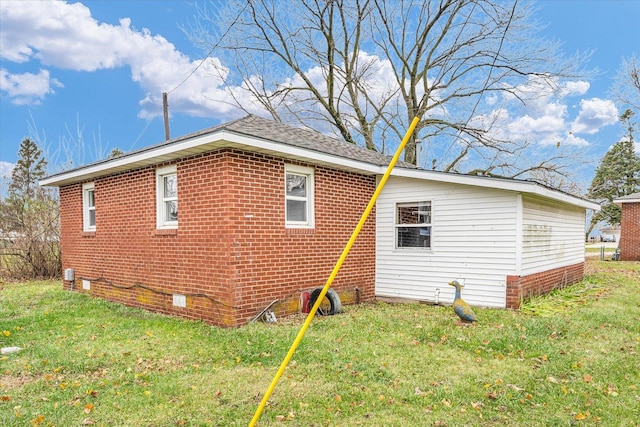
x,y
165,110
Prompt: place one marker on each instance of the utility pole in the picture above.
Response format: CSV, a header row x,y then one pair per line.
x,y
165,109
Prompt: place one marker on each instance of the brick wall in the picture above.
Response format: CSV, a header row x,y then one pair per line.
x,y
231,255
519,288
630,232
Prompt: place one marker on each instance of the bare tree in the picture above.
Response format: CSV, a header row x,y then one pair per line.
x,y
29,220
626,85
360,68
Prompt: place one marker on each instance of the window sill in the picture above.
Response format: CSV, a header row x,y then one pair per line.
x,y
88,234
165,232
415,250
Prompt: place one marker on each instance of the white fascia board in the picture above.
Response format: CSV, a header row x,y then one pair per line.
x,y
203,143
621,201
152,155
566,198
496,183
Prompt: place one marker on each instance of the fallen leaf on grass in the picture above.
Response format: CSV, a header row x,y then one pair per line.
x,y
5,398
88,422
88,408
587,378
37,420
580,416
611,391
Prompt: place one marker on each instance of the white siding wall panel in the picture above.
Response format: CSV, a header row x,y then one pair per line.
x,y
553,235
473,238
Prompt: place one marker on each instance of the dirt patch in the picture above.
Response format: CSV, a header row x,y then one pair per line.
x,y
10,382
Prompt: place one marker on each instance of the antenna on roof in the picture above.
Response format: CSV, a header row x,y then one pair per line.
x,y
165,110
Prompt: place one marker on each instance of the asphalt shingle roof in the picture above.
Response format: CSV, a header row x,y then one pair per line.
x,y
259,127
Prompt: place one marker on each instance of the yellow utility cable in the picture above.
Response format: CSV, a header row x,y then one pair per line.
x,y
335,271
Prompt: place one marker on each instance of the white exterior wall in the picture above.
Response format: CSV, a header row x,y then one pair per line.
x,y
552,235
473,238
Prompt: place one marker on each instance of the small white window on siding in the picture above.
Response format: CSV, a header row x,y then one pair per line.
x,y
167,197
413,225
299,197
88,207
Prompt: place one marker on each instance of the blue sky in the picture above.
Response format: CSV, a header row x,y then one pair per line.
x,y
94,71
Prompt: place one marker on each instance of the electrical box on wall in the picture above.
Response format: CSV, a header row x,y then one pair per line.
x,y
179,300
69,274
86,285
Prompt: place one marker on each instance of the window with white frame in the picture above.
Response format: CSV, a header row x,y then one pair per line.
x,y
413,225
88,207
299,196
167,197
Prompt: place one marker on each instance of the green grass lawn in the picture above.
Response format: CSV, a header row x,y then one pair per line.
x,y
567,359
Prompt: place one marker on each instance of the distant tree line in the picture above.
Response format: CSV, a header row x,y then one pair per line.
x,y
29,220
618,175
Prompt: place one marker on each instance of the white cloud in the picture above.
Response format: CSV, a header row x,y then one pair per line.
x,y
539,112
57,34
66,36
559,139
575,88
491,99
27,88
5,169
526,125
594,114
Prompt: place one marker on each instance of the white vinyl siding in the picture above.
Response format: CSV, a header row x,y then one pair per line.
x,y
552,235
473,238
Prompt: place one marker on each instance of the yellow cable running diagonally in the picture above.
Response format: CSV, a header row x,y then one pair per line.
x,y
335,271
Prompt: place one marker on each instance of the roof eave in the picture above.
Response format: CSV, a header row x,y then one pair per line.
x,y
218,138
201,143
528,187
620,202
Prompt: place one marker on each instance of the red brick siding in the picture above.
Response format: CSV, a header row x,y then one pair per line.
x,y
630,232
231,245
519,288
